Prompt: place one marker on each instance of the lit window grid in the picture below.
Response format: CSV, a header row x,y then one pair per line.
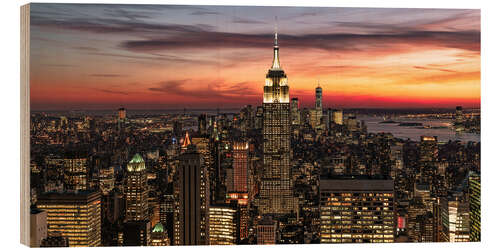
x,y
222,226
80,223
362,217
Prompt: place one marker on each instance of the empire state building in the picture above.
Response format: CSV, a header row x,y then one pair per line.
x,y
276,196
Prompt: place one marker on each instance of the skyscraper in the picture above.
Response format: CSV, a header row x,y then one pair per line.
x,y
240,186
106,180
136,233
75,216
159,236
186,142
76,173
455,218
475,207
240,167
459,119
317,113
276,189
319,98
122,114
202,124
222,225
295,111
266,231
136,190
338,117
428,151
193,187
356,210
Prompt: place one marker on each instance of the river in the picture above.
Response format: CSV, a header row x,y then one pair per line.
x,y
413,133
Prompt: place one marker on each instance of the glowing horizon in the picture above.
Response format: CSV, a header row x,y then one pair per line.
x,y
90,56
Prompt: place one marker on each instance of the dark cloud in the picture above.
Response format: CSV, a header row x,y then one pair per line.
x,y
58,65
467,40
468,17
214,89
128,14
106,25
204,12
245,20
165,36
107,75
371,27
109,91
86,48
154,57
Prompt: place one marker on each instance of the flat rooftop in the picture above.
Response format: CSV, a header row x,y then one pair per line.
x,y
355,183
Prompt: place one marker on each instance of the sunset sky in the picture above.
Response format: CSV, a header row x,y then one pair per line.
x,y
170,56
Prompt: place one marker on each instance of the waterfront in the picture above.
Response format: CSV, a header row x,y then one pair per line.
x,y
444,133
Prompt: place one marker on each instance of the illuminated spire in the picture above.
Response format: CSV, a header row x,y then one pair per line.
x,y
276,59
186,142
275,31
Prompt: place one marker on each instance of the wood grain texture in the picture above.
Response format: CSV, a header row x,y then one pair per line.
x,y
25,125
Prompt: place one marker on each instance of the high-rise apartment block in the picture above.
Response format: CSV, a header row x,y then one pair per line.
x,y
75,216
356,210
222,225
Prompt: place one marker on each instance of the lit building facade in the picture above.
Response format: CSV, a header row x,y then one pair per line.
x,y
75,173
136,190
276,195
319,98
122,114
338,117
75,216
317,113
356,210
242,204
475,207
420,223
428,151
295,111
159,236
266,231
186,141
106,180
455,219
240,167
222,225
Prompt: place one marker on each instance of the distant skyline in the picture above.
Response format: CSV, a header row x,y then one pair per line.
x,y
89,56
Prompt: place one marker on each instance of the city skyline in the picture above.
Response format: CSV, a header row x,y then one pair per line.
x,y
174,57
279,170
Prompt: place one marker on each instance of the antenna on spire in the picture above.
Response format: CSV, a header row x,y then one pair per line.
x,y
275,30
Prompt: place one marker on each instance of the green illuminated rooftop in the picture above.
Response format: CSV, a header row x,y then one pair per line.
x,y
158,228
